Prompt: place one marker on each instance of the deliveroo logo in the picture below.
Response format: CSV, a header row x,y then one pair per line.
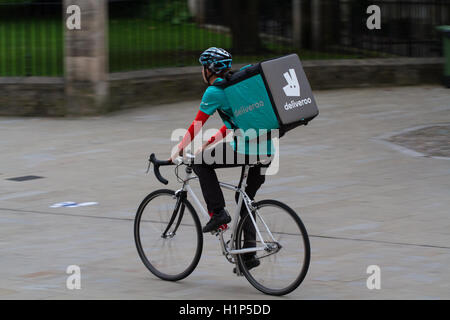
x,y
292,89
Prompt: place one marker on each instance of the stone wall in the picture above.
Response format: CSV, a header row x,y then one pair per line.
x,y
151,87
32,96
45,96
170,85
336,74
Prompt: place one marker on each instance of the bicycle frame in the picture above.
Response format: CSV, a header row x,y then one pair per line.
x,y
255,245
243,198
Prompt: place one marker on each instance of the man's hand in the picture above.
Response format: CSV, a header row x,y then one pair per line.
x,y
175,155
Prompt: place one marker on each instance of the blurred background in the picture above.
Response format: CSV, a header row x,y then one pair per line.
x,y
144,34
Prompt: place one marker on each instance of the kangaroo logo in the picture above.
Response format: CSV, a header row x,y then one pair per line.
x,y
292,89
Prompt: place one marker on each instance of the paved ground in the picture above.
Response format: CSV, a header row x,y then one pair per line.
x,y
364,202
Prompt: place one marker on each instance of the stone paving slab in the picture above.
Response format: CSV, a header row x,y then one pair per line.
x,y
433,140
363,202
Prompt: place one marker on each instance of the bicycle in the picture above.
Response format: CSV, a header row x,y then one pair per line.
x,y
169,237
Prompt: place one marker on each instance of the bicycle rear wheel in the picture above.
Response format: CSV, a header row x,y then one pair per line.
x,y
282,269
169,241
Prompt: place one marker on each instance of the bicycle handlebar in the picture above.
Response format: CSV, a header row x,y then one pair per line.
x,y
156,164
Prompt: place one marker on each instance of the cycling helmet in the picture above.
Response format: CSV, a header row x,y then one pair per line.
x,y
216,60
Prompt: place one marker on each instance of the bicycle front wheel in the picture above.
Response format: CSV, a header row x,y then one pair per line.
x,y
168,235
283,267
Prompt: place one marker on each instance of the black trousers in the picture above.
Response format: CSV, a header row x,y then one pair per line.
x,y
212,192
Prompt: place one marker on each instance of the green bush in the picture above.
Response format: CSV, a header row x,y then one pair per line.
x,y
176,11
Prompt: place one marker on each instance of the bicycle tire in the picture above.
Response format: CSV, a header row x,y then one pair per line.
x,y
306,244
137,236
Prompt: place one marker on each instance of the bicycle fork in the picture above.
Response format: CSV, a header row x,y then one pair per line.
x,y
178,211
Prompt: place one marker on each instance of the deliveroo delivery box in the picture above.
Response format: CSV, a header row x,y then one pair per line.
x,y
273,94
290,91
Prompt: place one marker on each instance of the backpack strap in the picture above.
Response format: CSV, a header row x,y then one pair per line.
x,y
226,82
225,117
233,77
223,84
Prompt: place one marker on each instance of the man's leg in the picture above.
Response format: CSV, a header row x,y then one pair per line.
x,y
212,193
211,190
254,181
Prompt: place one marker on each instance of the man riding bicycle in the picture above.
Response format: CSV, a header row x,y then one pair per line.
x,y
216,64
267,234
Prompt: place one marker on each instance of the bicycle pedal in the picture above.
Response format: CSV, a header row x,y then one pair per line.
x,y
237,273
219,230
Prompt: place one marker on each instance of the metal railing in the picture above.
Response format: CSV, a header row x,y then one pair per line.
x,y
172,33
408,27
31,38
169,33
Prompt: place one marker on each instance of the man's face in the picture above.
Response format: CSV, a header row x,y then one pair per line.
x,y
205,73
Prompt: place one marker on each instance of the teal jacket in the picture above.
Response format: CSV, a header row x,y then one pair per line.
x,y
238,110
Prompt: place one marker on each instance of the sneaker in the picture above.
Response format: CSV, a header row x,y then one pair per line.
x,y
222,227
250,263
217,220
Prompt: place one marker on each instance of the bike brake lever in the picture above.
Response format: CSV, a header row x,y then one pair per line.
x,y
148,168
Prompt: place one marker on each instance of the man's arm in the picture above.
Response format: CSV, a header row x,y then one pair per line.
x,y
221,134
215,138
193,129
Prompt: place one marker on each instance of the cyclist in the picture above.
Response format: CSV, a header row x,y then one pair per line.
x,y
216,64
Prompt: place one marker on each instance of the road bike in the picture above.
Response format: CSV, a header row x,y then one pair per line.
x,y
169,236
